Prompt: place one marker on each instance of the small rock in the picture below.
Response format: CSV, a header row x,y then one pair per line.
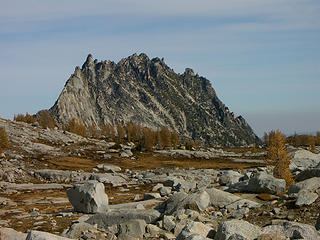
x,y
277,211
168,223
165,191
305,197
148,196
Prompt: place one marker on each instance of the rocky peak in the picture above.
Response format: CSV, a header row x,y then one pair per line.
x,y
150,93
89,62
189,72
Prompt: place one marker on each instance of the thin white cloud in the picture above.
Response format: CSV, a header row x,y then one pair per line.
x,y
279,14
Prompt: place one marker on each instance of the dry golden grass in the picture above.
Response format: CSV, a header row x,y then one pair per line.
x,y
266,197
147,161
26,223
73,163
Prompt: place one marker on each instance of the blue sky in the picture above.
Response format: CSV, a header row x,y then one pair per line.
x,y
262,57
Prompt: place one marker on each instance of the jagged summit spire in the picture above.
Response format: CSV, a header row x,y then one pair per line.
x,y
89,61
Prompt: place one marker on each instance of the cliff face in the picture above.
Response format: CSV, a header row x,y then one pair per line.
x,y
150,93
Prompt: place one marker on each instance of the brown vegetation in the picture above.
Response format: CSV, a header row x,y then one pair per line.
x,y
4,142
175,139
77,127
278,156
120,133
305,140
148,140
144,137
46,120
24,118
165,137
93,131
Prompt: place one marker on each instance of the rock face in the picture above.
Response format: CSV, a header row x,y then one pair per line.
x,y
152,94
89,197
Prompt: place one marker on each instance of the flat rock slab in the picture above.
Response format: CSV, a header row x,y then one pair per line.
x,y
38,235
133,205
31,186
105,220
73,176
46,200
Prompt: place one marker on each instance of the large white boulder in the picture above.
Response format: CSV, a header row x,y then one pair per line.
x,y
11,234
305,197
265,183
310,184
302,159
89,197
293,230
38,235
237,228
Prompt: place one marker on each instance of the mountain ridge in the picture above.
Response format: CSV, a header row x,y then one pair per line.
x,y
149,92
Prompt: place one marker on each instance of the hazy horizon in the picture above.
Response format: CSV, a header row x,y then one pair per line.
x,y
262,57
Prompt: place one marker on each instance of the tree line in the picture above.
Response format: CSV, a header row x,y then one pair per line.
x,y
143,137
299,140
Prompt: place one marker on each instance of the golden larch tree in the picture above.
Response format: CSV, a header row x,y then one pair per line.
x,y
175,139
279,157
46,120
165,137
77,127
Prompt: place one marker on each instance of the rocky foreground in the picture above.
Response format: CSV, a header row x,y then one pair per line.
x,y
57,185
